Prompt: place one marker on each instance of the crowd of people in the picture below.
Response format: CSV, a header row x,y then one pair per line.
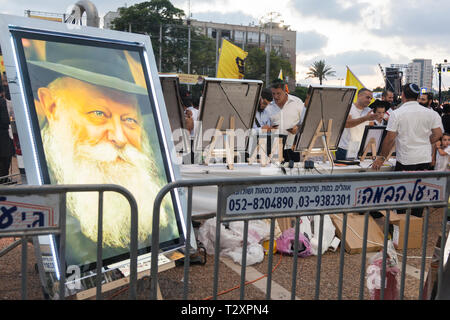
x,y
418,127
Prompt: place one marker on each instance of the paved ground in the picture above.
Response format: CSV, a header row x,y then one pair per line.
x,y
201,276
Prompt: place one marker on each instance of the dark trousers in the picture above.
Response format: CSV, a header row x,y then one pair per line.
x,y
5,163
413,167
289,154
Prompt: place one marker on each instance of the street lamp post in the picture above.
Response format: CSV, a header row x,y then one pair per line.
x,y
439,69
270,17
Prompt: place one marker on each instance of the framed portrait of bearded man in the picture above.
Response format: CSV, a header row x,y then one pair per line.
x,y
91,111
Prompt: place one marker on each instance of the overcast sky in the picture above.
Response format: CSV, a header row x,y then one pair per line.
x,y
357,33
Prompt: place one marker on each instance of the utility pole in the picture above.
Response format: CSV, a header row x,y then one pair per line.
x,y
218,32
268,49
160,47
189,42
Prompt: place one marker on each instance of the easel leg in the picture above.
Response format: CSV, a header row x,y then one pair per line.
x,y
217,134
262,145
278,148
230,144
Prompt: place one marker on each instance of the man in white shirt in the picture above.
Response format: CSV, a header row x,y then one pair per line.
x,y
359,116
287,111
413,129
191,120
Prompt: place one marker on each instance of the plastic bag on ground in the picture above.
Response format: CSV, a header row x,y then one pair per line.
x,y
328,238
286,243
391,290
231,239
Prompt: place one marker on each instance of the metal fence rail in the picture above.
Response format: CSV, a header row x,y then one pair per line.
x,y
227,186
62,191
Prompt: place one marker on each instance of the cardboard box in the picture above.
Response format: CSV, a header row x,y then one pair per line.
x,y
355,232
398,222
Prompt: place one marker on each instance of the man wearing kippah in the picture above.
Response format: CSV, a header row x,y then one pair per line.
x,y
413,129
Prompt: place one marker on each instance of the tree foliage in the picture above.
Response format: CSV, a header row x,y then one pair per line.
x,y
320,70
255,65
300,92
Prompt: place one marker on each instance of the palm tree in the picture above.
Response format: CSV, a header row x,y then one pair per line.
x,y
320,70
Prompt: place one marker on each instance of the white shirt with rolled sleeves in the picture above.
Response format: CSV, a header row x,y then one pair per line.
x,y
413,123
288,116
356,133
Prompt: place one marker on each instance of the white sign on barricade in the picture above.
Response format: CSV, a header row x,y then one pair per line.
x,y
293,197
31,212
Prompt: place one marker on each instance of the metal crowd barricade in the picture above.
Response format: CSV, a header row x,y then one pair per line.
x,y
60,230
10,179
227,186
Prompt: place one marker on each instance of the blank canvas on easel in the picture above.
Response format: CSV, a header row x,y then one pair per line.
x,y
324,103
229,98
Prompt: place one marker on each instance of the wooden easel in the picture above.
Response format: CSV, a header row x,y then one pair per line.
x,y
172,257
324,152
276,153
228,135
371,145
261,149
390,153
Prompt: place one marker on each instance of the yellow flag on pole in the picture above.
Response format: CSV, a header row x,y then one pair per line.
x,y
231,61
280,75
353,81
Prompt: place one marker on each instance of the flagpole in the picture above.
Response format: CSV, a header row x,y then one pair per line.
x,y
218,55
217,50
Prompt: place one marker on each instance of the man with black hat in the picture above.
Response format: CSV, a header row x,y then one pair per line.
x,y
413,129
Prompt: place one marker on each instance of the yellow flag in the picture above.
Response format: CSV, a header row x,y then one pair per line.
x,y
280,75
231,61
353,81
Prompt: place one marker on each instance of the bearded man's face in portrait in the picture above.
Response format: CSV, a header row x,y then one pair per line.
x,y
94,135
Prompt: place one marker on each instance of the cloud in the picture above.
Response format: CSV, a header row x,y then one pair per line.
x,y
310,41
418,23
330,9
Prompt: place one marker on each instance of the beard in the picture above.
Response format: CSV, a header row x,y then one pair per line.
x,y
75,162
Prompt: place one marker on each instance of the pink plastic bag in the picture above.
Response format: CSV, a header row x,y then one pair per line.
x,y
285,243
